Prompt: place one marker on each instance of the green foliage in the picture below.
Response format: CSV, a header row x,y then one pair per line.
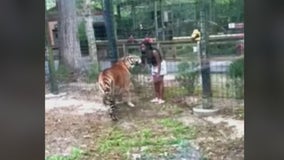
x,y
239,113
222,49
175,92
185,52
155,141
82,31
236,73
49,4
93,73
229,11
185,15
236,69
62,73
187,76
178,129
75,155
138,69
239,88
96,5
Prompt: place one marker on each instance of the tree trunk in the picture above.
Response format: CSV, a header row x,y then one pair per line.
x,y
90,31
68,37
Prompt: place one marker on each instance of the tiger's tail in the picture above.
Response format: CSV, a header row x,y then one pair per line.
x,y
106,87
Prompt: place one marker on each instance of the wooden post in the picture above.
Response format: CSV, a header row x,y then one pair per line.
x,y
51,67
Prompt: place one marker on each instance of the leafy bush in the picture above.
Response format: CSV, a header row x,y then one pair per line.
x,y
93,73
175,92
187,76
236,73
138,69
138,74
62,73
236,69
221,49
82,31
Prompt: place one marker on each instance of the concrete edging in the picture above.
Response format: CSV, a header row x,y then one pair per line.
x,y
199,111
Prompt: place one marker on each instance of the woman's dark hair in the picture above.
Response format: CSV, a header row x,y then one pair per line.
x,y
150,47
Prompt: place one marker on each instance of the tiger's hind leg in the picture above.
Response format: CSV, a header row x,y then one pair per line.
x,y
119,97
113,112
109,101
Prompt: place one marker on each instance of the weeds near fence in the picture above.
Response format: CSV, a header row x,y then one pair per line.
x,y
75,155
62,73
93,73
187,76
156,137
138,69
174,92
236,73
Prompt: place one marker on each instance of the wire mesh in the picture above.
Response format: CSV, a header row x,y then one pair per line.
x,y
175,19
183,81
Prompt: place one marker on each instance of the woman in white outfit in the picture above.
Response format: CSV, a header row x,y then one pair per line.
x,y
158,70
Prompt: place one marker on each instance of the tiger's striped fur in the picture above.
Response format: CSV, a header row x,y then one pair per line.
x,y
116,79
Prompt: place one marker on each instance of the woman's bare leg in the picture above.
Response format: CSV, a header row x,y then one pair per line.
x,y
157,88
161,88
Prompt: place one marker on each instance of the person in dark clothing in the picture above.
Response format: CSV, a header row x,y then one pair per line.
x,y
158,68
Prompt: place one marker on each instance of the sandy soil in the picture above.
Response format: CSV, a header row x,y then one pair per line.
x,y
76,116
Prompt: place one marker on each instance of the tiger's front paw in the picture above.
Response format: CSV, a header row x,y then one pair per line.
x,y
130,104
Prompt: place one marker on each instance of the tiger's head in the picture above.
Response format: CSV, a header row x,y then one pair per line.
x,y
131,60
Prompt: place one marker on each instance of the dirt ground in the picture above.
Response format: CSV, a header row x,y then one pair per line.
x,y
76,118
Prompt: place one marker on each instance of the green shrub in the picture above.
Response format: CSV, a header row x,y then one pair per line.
x,y
236,69
221,49
82,31
75,155
93,73
236,73
138,69
175,92
62,73
187,76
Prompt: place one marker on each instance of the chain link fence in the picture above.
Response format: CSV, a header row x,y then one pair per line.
x,y
172,19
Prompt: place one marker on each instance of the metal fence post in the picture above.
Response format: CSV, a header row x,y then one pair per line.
x,y
110,29
205,64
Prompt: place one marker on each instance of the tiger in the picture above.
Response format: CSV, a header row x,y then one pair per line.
x,y
116,79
